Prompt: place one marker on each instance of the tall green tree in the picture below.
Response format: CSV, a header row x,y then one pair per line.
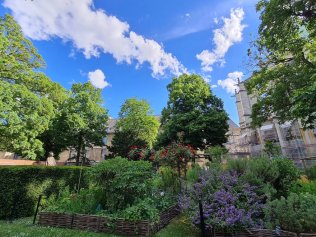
x,y
82,122
136,116
28,98
123,141
285,60
193,114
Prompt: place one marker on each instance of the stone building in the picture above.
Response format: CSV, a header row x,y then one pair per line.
x,y
294,142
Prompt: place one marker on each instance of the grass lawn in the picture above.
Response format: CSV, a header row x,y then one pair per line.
x,y
179,227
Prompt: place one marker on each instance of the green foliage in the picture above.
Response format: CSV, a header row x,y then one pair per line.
x,y
169,179
295,213
285,62
288,174
175,155
143,210
24,227
193,173
274,177
136,116
216,153
271,149
20,186
123,141
28,98
83,202
304,187
311,172
264,169
193,114
141,153
121,182
82,121
238,165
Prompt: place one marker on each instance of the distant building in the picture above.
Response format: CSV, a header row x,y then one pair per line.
x,y
293,141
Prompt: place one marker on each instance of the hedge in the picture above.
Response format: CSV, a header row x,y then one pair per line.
x,y
20,186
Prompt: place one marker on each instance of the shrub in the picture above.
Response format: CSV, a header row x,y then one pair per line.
x,y
296,213
288,175
238,165
304,187
83,202
264,169
176,156
169,179
141,153
143,210
228,203
216,153
21,185
121,182
193,173
311,173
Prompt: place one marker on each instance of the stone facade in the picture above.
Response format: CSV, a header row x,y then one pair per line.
x,y
293,141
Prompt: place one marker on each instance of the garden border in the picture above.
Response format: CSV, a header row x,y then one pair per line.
x,y
118,226
263,233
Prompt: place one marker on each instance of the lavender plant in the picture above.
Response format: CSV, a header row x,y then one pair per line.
x,y
228,203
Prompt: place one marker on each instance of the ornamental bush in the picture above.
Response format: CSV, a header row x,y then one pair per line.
x,y
21,185
296,213
120,182
311,173
228,203
141,153
176,156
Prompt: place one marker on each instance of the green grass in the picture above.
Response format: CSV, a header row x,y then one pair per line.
x,y
24,228
179,227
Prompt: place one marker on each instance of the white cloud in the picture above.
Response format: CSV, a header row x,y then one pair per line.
x,y
97,79
92,31
230,83
224,37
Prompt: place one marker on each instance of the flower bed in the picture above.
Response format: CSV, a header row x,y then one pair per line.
x,y
105,225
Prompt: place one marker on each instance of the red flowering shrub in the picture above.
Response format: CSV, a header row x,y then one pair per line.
x,y
140,153
176,155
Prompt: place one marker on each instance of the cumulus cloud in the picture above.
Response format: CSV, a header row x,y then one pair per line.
x,y
97,79
230,83
224,37
92,31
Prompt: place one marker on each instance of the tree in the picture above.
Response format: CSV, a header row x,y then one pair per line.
x,y
83,119
193,114
135,116
123,141
28,98
284,53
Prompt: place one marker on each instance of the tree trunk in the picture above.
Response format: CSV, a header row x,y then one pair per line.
x,y
79,148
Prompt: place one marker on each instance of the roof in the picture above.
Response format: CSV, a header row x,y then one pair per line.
x,y
232,124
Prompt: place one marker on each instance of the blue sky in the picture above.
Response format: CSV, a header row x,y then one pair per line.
x,y
133,48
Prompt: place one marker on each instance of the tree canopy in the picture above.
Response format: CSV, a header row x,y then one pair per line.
x,y
285,56
193,114
82,122
28,98
136,116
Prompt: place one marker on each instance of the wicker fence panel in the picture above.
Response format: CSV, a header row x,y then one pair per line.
x,y
237,234
271,233
86,222
105,225
307,234
56,219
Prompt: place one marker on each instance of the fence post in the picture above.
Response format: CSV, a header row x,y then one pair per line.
x,y
202,224
36,211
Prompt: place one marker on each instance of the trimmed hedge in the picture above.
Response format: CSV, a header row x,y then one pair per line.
x,y
20,186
